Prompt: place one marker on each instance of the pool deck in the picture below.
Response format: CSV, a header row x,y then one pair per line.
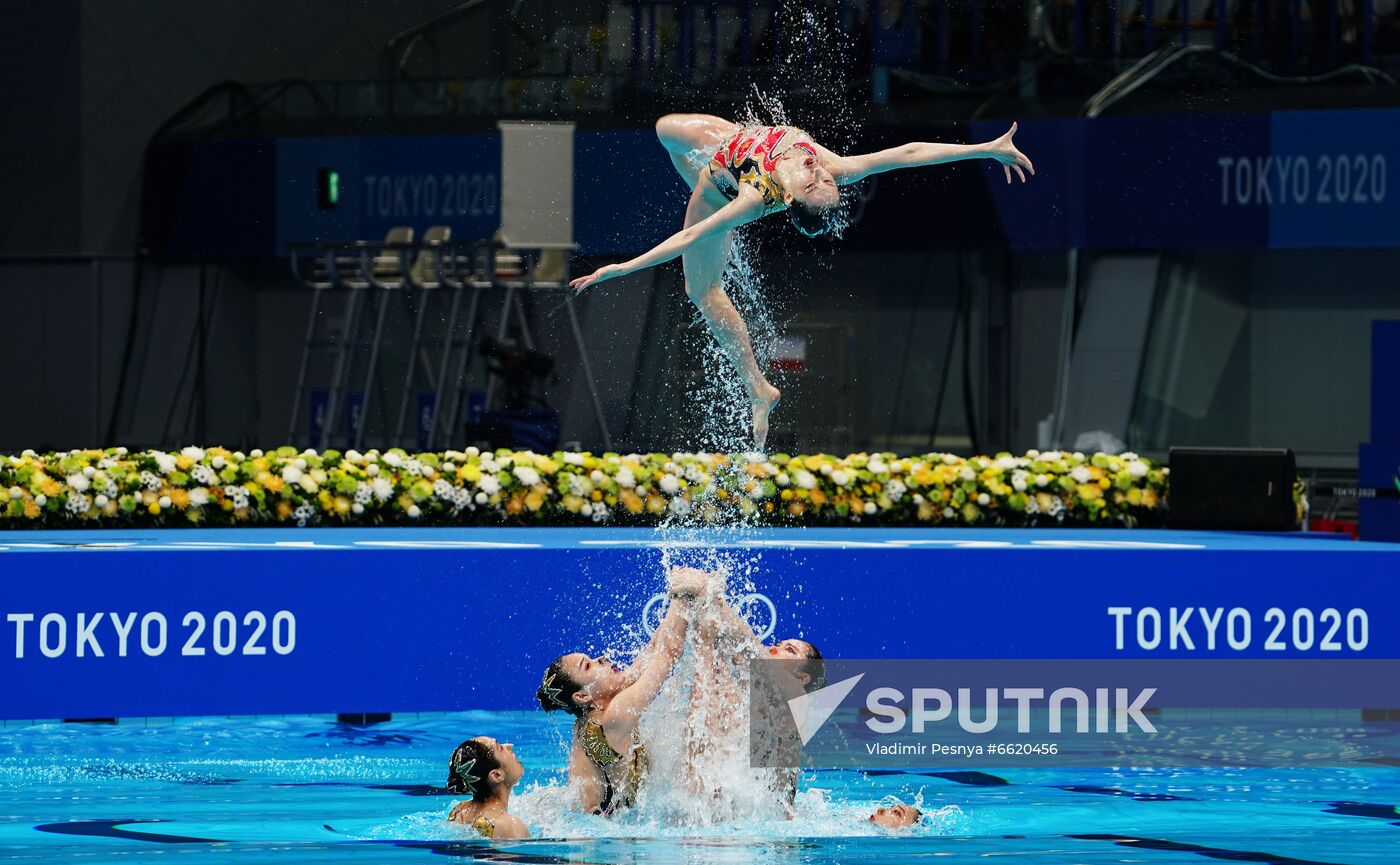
x,y
324,539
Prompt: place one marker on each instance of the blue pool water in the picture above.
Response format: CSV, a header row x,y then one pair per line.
x,y
305,789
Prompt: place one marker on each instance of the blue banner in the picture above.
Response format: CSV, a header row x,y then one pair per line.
x,y
383,182
1316,179
345,620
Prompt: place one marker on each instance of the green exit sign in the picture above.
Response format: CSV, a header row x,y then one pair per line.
x,y
327,188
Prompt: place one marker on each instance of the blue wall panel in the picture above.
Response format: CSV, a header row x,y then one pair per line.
x,y
385,623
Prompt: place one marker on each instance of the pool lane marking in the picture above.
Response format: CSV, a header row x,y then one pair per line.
x,y
1208,852
110,829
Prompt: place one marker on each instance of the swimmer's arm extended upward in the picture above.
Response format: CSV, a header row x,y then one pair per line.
x,y
849,169
744,209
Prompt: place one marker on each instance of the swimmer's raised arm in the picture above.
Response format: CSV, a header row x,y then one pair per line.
x,y
849,169
666,646
744,209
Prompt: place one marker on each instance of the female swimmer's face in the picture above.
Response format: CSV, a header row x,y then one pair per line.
x,y
799,650
596,677
504,752
806,182
896,816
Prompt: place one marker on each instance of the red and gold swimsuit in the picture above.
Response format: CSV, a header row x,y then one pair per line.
x,y
750,158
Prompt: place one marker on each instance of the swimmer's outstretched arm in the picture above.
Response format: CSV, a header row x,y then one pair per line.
x,y
744,209
668,643
849,169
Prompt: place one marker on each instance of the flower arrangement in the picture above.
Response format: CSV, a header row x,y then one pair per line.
x,y
218,487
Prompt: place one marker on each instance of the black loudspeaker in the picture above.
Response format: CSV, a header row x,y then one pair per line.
x,y
1232,488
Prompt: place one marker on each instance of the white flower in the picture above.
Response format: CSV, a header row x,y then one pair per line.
x,y
1128,455
1052,456
805,479
28,452
164,502
1019,481
949,513
870,507
840,477
877,467
473,451
895,489
782,479
528,476
308,483
193,453
165,462
414,512
950,459
757,493
442,489
41,500
89,471
597,477
77,482
966,473
626,479
1080,474
357,508
825,469
481,498
679,506
199,497
413,467
218,462
101,501
121,452
381,488
150,481
78,504
600,513
392,460
353,456
489,485
1137,469
291,474
918,499
587,509
1042,480
669,484
984,500
572,459
1007,463
372,469
16,492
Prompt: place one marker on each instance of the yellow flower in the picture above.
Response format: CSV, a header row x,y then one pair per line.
x,y
631,501
179,498
183,462
342,505
656,505
534,499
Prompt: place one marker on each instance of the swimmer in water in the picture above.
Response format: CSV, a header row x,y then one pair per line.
x,y
488,770
897,816
724,643
607,762
738,174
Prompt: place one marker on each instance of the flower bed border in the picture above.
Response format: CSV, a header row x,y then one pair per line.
x,y
215,486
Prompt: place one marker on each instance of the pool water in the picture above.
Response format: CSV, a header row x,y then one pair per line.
x,y
306,789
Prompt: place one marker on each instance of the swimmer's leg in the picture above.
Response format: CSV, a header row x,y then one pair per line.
x,y
704,263
690,140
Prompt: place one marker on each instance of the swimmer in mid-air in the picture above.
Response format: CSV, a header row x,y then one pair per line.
x,y
738,174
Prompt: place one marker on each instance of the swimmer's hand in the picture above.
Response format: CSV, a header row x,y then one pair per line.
x,y
685,582
609,271
1005,152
